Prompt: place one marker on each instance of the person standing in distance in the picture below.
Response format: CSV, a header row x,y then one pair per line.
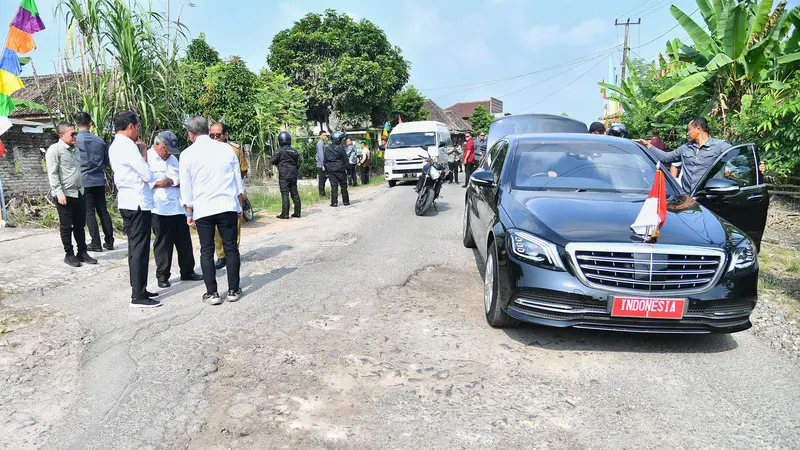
x,y
219,132
321,176
480,147
94,159
135,201
64,174
211,190
364,162
468,158
287,160
169,222
597,128
336,163
352,159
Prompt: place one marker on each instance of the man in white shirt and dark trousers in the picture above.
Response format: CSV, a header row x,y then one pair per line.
x,y
169,221
135,201
211,190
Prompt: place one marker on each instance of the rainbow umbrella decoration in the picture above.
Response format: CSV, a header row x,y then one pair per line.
x,y
20,40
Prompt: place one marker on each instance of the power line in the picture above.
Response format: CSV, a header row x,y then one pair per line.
x,y
562,88
554,76
634,9
666,32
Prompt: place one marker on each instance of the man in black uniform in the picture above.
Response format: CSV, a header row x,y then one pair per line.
x,y
336,163
288,161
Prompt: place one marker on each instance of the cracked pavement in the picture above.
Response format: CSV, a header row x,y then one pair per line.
x,y
363,327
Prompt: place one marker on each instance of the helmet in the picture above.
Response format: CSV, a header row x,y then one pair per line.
x,y
284,138
618,130
338,137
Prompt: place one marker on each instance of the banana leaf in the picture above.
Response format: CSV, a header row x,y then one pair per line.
x,y
791,57
758,22
708,13
27,104
701,39
718,7
682,87
721,60
722,20
735,38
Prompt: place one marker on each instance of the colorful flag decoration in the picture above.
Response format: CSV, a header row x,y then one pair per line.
x,y
399,119
19,40
368,139
2,149
654,211
386,130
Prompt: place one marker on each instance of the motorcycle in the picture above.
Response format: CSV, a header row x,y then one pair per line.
x,y
429,184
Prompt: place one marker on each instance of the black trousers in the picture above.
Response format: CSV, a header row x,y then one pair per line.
x,y
352,175
172,233
137,228
227,223
468,169
453,166
71,221
96,203
321,178
289,186
339,179
364,175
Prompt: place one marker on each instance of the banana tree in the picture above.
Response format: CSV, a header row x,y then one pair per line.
x,y
742,47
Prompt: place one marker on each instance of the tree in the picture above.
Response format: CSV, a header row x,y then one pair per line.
x,y
341,64
408,104
278,106
200,52
229,94
480,119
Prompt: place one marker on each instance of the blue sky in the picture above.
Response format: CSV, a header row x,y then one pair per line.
x,y
450,43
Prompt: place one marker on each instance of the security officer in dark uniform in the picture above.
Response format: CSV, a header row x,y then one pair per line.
x,y
336,163
287,160
618,130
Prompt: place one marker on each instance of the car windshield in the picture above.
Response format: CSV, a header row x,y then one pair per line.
x,y
583,167
527,124
401,140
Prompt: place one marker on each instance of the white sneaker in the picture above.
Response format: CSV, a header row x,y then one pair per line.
x,y
234,296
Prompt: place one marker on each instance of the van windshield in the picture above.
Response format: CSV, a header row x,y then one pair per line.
x,y
401,140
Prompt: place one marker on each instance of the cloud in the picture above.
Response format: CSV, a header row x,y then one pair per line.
x,y
583,34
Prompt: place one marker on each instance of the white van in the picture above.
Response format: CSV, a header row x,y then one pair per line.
x,y
402,160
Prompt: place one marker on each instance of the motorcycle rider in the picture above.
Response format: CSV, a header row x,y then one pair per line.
x,y
287,159
618,130
336,162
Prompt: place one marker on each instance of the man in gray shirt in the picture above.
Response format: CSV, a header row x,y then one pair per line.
x,y
321,176
480,147
64,175
94,159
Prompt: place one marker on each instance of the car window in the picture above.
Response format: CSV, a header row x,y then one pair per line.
x,y
499,159
737,164
401,140
583,167
489,156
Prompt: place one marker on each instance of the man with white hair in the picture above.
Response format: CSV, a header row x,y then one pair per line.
x,y
211,190
169,223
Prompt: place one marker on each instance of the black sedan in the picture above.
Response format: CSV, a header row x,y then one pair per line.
x,y
551,216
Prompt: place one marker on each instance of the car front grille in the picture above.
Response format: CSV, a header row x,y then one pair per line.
x,y
647,268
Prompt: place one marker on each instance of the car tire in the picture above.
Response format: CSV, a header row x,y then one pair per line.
x,y
392,183
495,316
469,240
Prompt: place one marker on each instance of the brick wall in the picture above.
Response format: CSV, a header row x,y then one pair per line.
x,y
22,169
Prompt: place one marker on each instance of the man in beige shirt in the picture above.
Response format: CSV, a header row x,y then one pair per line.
x,y
64,174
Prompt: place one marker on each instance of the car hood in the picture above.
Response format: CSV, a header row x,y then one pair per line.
x,y
607,217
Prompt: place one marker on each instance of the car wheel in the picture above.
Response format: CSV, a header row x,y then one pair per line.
x,y
495,315
392,183
469,241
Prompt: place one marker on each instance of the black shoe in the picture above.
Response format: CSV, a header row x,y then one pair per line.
x,y
145,303
220,263
296,215
109,245
163,284
94,248
85,258
346,204
234,296
192,277
212,299
334,205
72,260
282,217
150,294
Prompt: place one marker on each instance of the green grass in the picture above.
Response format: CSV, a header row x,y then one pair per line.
x,y
270,202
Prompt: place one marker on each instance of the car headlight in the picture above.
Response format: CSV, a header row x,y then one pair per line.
x,y
535,250
388,162
743,256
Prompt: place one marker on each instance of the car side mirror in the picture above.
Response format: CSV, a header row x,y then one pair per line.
x,y
721,186
424,147
483,178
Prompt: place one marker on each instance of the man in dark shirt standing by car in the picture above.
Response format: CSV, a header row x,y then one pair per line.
x,y
480,147
94,158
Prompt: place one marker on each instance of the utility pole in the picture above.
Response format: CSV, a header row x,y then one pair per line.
x,y
625,47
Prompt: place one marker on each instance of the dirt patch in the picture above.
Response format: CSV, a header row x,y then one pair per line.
x,y
37,346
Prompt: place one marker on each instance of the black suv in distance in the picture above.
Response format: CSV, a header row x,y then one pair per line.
x,y
550,214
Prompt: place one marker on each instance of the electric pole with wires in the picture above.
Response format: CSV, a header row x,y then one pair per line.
x,y
626,45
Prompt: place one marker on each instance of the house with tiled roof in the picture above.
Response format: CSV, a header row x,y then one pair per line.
x,y
43,91
464,109
454,123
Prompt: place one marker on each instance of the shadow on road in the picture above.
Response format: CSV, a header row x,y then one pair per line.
x,y
253,283
263,253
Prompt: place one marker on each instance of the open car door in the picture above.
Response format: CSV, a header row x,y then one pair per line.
x,y
735,190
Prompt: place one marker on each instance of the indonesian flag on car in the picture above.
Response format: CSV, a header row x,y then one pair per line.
x,y
654,211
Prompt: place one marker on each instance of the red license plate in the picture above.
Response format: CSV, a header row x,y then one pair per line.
x,y
648,308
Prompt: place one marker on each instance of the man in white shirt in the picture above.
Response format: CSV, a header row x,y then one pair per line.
x,y
211,189
135,201
169,223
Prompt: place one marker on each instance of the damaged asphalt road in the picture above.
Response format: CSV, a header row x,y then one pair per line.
x,y
363,327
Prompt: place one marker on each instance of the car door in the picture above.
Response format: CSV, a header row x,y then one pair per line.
x,y
487,195
746,209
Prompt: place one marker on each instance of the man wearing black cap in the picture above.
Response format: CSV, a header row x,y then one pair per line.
x,y
169,221
597,128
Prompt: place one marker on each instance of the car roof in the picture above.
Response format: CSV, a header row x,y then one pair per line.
x,y
570,138
418,126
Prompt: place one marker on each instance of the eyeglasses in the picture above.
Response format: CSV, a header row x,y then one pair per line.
x,y
215,135
74,133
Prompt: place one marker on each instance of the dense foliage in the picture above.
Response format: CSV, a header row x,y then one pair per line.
x,y
408,104
481,119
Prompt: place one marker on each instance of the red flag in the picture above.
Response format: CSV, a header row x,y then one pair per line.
x,y
654,211
399,119
2,149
